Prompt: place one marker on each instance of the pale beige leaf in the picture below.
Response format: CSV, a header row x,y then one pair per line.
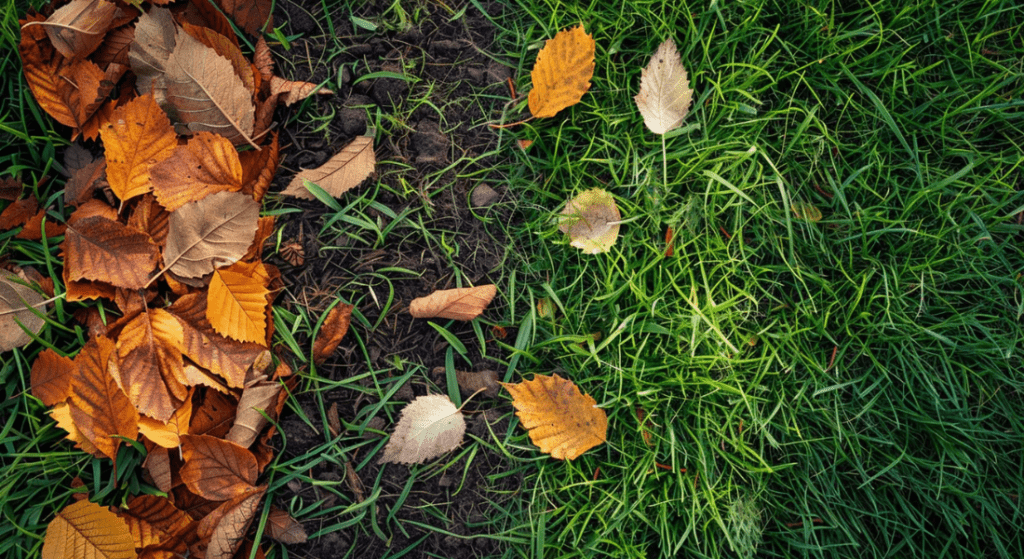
x,y
78,27
464,303
428,427
560,419
215,231
87,530
290,92
351,166
665,94
19,304
257,399
591,220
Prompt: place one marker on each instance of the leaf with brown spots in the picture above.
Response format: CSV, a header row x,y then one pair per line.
x,y
99,249
591,220
207,164
562,72
333,329
99,408
137,137
149,349
560,419
464,303
216,469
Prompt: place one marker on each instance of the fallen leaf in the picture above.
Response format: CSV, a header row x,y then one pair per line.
x,y
93,208
19,304
216,469
333,329
591,220
85,529
83,87
665,95
807,212
61,413
343,172
207,164
283,528
264,229
83,290
470,382
99,408
259,168
464,303
226,526
236,301
87,175
201,377
293,254
115,45
290,92
428,427
562,72
138,136
77,28
263,59
18,213
151,47
561,420
228,49
212,414
168,435
158,466
223,357
153,520
149,350
257,399
51,382
40,62
215,231
250,15
33,230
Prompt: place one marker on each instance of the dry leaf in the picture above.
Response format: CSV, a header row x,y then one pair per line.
x,y
226,526
805,211
257,399
87,175
150,217
429,427
41,61
223,357
250,15
153,520
213,414
207,164
215,231
293,254
561,421
158,466
341,173
138,136
469,382
18,213
85,529
151,48
259,168
216,469
51,382
333,329
61,413
83,87
150,348
236,301
33,230
168,435
591,220
93,208
227,48
464,303
283,528
290,92
99,407
19,304
263,59
665,94
562,72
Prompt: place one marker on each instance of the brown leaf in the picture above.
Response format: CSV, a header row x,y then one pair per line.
x,y
158,465
85,529
18,213
40,62
83,290
153,520
226,526
293,254
341,173
99,407
87,175
256,398
562,72
51,377
264,229
201,377
236,301
11,189
561,420
150,51
19,304
216,469
665,95
331,332
167,435
290,92
61,413
215,231
213,415
591,220
77,28
149,349
207,164
99,249
283,528
429,427
93,208
83,87
225,358
228,49
250,15
114,48
33,230
150,217
263,59
138,136
470,382
259,168
464,303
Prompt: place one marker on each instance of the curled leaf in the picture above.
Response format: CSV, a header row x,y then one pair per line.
x,y
333,329
592,221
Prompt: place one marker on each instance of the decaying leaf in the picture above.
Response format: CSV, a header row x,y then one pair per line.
x,y
19,304
215,231
61,413
333,329
283,528
665,94
257,399
341,173
561,420
99,249
562,72
18,213
138,136
226,526
250,15
236,302
216,469
806,211
207,164
85,529
470,382
99,408
464,303
428,427
591,220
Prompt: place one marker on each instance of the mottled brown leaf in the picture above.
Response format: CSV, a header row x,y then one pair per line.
x,y
51,377
207,164
223,357
333,329
99,407
77,28
153,520
250,15
150,348
99,249
283,528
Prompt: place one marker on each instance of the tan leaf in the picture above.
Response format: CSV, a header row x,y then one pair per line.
x,y
263,59
61,413
87,175
333,329
153,520
562,72
158,466
469,382
250,15
283,528
51,377
428,427
138,136
561,420
216,469
78,27
591,220
215,231
151,48
168,435
257,399
19,304
464,303
150,348
228,49
290,92
99,407
665,95
226,526
223,357
236,301
207,164
85,529
345,171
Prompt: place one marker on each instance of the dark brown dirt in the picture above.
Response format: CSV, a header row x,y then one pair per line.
x,y
424,156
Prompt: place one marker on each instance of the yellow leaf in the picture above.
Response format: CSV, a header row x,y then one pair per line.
x,y
168,435
61,413
85,529
138,136
562,72
561,420
237,301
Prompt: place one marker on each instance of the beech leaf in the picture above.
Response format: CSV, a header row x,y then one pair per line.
x,y
562,72
51,382
207,164
138,136
216,469
99,407
665,95
149,349
237,301
78,27
292,92
341,173
591,220
561,420
223,357
428,427
464,303
215,231
85,529
153,520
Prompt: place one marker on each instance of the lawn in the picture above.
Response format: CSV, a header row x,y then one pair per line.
x,y
807,337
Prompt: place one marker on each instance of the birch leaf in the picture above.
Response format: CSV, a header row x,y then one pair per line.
x,y
85,529
665,94
429,427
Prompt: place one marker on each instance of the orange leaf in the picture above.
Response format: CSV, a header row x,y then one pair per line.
x,y
283,528
93,208
82,88
51,377
82,290
561,421
18,213
214,231
223,357
259,168
167,435
33,230
214,415
99,407
263,59
460,304
264,229
85,529
138,136
151,218
207,164
40,61
562,72
333,329
236,302
61,413
343,172
153,520
150,348
216,469
226,526
257,399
